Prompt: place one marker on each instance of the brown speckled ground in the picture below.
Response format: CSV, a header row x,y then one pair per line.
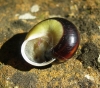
x,y
81,71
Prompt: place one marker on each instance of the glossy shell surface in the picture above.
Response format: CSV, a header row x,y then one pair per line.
x,y
69,42
50,40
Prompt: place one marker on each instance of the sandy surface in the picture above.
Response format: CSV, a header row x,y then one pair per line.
x,y
17,17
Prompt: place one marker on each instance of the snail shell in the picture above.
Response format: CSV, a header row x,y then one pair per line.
x,y
50,40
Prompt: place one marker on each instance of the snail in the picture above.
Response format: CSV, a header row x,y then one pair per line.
x,y
53,39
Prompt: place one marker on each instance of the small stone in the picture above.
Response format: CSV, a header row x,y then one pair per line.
x,y
35,8
99,59
16,87
99,27
27,16
89,77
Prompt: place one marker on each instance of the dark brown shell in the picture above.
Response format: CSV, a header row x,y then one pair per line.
x,y
69,42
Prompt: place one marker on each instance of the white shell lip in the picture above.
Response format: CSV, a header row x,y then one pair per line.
x,y
43,30
32,62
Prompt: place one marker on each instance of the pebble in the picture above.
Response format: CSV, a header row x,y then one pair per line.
x,y
34,8
27,16
99,27
99,59
89,77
